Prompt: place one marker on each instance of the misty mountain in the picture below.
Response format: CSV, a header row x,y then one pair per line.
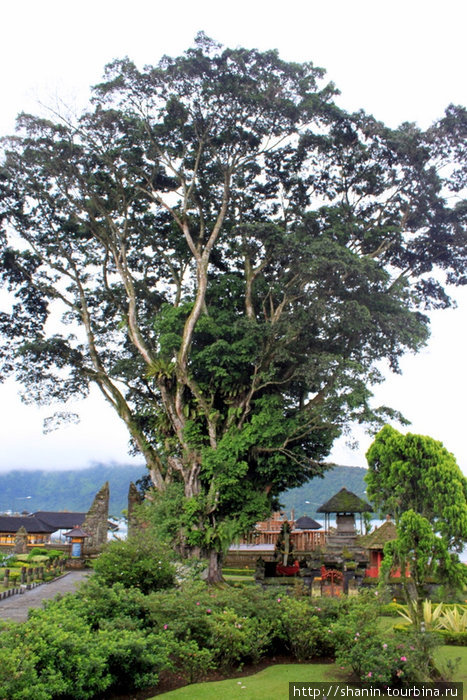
x,y
75,489
67,490
306,499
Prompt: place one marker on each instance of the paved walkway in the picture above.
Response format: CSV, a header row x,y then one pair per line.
x,y
16,607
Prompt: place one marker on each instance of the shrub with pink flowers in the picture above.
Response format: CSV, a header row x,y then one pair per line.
x,y
304,634
381,658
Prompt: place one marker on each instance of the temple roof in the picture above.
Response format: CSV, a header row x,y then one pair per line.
x,y
59,520
306,523
76,532
345,502
378,538
11,524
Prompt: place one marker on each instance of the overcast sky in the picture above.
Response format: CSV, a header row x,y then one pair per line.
x,y
401,61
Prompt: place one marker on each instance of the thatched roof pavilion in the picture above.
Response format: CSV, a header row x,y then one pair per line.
x,y
344,504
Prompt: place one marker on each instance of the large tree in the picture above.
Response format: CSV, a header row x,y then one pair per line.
x,y
233,253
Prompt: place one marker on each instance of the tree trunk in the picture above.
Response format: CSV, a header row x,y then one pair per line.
x,y
214,566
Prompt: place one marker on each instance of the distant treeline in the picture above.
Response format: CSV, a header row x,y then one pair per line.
x,y
75,489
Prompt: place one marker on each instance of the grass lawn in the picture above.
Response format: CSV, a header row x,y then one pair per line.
x,y
270,684
447,653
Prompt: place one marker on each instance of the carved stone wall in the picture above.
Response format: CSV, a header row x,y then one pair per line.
x,y
96,521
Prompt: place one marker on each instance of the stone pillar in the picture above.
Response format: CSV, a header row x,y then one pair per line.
x,y
316,588
23,575
96,521
134,500
6,578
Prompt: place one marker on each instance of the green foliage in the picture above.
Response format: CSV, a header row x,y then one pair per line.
x,y
407,471
38,559
36,551
238,638
140,561
64,654
378,657
457,639
423,555
382,660
417,479
431,615
135,656
61,657
304,634
8,559
454,619
193,661
56,554
105,640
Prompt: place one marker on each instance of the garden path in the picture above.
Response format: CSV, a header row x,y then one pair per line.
x,y
16,607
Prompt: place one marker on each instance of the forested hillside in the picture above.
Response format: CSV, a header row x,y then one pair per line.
x,y
75,490
306,499
67,490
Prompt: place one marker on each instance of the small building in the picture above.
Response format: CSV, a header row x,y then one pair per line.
x,y
344,504
305,535
374,543
38,533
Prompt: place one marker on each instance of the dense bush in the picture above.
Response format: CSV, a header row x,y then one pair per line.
x,y
109,638
56,554
37,551
139,561
238,638
304,634
381,657
59,653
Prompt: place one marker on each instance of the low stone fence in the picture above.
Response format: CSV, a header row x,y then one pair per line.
x,y
29,577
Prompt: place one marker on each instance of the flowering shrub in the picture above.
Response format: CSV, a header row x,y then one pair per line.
x,y
193,661
304,634
236,638
383,660
57,653
378,657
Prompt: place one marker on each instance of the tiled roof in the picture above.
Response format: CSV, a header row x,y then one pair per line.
x,y
76,532
11,524
59,520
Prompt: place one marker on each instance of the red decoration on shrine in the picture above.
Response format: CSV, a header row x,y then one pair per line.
x,y
332,575
282,570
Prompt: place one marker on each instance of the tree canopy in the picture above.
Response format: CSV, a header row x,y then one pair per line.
x,y
416,472
418,481
226,254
